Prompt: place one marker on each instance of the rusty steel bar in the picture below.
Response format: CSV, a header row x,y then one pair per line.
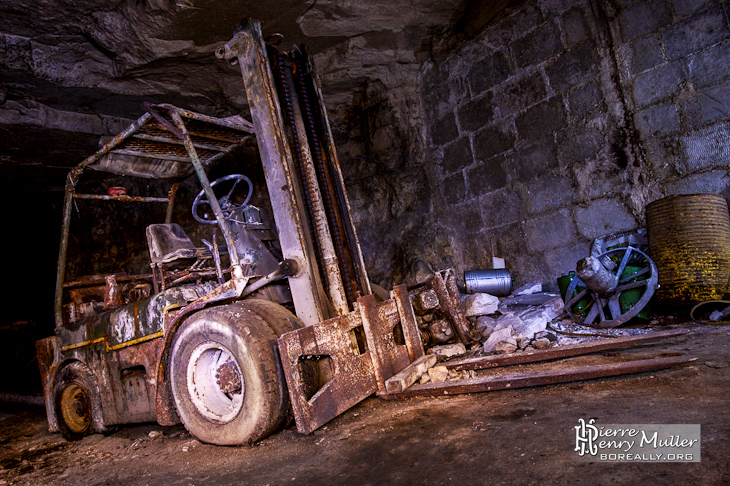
x,y
239,123
121,198
566,351
540,378
154,138
71,180
171,194
209,193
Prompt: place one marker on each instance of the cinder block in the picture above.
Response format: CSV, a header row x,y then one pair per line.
x,y
501,207
541,119
533,161
709,66
444,130
477,112
457,155
658,120
573,67
585,100
488,72
602,217
647,53
707,105
551,230
548,193
658,84
644,18
486,177
695,33
574,26
683,8
520,93
537,46
491,141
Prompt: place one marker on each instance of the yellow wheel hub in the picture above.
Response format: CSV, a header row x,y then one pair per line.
x,y
76,408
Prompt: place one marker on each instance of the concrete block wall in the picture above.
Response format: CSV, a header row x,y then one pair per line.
x,y
561,121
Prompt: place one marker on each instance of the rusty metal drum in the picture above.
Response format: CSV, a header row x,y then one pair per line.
x,y
689,240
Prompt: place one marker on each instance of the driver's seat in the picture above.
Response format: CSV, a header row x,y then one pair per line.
x,y
169,242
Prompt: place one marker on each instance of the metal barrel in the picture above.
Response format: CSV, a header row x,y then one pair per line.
x,y
494,281
689,240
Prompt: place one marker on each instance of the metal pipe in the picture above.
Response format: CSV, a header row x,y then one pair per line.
x,y
121,198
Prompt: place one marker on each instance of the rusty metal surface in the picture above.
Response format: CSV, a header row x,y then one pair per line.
x,y
411,335
539,378
566,351
353,379
276,157
379,323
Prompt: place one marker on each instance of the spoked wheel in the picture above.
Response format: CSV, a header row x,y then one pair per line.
x,y
77,403
226,377
628,284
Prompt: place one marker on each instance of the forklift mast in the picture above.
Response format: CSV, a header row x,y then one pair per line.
x,y
303,175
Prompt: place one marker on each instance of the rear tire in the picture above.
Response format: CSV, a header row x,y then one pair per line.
x,y
226,377
77,403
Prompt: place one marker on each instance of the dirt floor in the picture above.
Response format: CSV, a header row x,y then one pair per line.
x,y
524,436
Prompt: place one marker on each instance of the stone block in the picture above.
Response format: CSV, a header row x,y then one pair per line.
x,y
548,193
520,93
563,259
491,141
453,188
585,100
710,182
602,217
480,304
646,53
411,373
552,8
695,33
574,26
533,161
476,112
709,66
580,143
444,130
573,67
705,148
658,84
500,208
466,220
683,8
707,105
542,119
658,120
550,231
457,155
488,72
512,26
485,177
644,18
496,337
447,350
537,46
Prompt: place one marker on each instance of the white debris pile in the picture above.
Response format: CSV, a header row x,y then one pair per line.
x,y
518,322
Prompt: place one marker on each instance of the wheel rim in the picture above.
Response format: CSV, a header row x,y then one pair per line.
x,y
215,382
76,408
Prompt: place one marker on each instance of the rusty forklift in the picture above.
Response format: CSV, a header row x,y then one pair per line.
x,y
194,338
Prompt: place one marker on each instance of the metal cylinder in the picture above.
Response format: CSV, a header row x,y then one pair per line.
x,y
689,240
494,281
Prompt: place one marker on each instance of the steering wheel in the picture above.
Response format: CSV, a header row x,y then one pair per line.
x,y
226,202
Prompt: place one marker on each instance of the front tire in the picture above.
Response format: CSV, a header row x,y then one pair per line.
x,y
77,403
225,376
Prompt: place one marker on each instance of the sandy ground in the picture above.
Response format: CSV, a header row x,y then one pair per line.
x,y
521,436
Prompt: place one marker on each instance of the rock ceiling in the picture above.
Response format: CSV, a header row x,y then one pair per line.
x,y
72,71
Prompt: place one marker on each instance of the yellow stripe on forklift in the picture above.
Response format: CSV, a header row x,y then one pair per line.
x,y
149,337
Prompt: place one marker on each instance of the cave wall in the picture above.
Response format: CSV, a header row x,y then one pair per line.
x,y
562,120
